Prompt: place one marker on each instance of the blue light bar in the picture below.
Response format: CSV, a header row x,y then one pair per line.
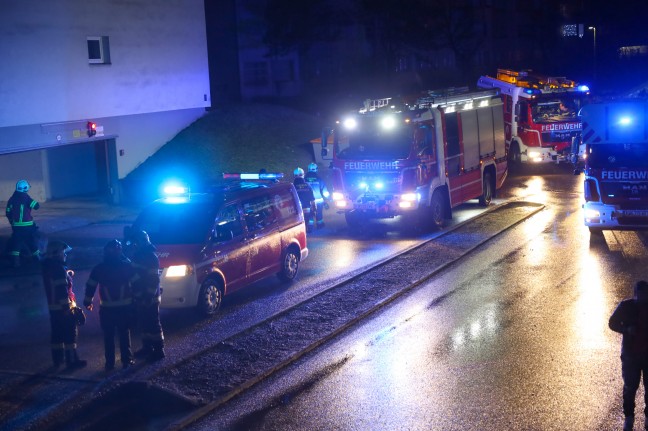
x,y
175,190
583,88
250,176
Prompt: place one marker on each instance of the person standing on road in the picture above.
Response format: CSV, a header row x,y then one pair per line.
x,y
146,292
112,278
23,228
320,191
57,280
306,197
631,319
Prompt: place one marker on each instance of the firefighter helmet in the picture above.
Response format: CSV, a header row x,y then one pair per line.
x,y
22,186
140,237
299,172
55,247
113,248
312,167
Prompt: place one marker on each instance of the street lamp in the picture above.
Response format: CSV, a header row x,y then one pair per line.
x,y
594,30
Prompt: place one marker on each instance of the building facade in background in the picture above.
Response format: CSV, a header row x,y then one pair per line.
x,y
136,70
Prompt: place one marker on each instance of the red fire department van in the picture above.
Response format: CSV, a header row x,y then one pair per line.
x,y
212,244
420,159
540,114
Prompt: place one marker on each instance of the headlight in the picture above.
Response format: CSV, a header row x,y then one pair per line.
x,y
337,196
591,214
409,197
177,271
535,156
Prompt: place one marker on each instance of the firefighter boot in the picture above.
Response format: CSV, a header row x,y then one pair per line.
x,y
58,357
72,360
146,350
157,353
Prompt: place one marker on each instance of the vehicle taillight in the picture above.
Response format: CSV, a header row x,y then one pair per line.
x,y
591,191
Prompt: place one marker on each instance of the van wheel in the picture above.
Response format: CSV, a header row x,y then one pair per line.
x,y
487,195
289,266
210,297
438,209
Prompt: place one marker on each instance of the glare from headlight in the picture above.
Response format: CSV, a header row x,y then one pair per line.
x,y
177,271
337,196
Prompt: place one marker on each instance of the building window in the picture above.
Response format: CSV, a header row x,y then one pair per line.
x,y
98,50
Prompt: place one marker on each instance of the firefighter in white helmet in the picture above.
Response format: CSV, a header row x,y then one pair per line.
x,y
23,228
320,191
306,197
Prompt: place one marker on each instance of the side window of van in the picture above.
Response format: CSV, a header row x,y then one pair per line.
x,y
258,213
228,224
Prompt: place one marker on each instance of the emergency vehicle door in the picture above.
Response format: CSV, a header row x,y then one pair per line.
x,y
226,248
453,160
261,223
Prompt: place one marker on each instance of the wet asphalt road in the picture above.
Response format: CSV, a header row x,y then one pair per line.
x,y
512,337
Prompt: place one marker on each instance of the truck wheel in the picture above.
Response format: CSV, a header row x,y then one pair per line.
x,y
595,231
487,195
353,219
210,297
438,209
515,158
289,265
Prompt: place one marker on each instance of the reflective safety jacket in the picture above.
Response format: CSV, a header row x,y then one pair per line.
x,y
19,208
305,192
318,186
58,285
112,277
146,280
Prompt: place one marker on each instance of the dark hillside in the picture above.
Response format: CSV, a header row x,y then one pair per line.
x,y
238,138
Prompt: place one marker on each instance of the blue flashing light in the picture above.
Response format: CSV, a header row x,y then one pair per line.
x,y
175,190
379,186
528,91
583,88
625,121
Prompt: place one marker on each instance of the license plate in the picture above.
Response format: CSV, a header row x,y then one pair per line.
x,y
635,213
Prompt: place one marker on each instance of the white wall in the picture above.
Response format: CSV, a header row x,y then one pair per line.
x,y
158,54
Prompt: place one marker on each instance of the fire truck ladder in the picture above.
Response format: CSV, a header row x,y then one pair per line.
x,y
452,96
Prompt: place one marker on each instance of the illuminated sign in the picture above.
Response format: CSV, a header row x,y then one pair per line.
x,y
625,175
371,166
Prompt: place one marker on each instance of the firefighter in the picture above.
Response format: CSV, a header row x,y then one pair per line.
x,y
320,191
57,281
306,197
112,277
146,293
23,228
630,318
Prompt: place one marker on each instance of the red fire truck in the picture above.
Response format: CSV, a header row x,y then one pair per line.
x,y
615,137
417,159
540,114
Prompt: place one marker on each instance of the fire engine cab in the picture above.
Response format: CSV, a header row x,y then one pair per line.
x,y
615,139
417,159
540,114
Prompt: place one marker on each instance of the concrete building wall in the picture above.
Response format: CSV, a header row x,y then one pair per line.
x,y
155,83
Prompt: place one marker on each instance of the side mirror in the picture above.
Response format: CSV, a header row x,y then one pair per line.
x,y
324,152
223,233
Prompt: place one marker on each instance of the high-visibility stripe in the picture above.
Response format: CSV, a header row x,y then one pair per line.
x,y
33,204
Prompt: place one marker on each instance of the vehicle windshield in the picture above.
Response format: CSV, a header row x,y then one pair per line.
x,y
377,145
186,223
617,155
563,108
